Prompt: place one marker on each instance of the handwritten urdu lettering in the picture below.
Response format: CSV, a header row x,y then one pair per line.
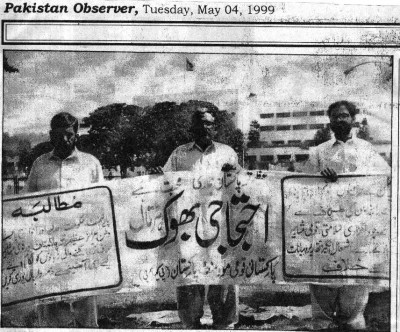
x,y
202,228
183,228
58,243
339,229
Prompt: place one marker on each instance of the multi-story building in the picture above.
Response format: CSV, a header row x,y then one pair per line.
x,y
287,131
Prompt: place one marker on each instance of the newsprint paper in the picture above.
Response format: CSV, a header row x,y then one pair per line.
x,y
200,165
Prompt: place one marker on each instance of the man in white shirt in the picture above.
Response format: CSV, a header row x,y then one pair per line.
x,y
63,168
345,153
201,155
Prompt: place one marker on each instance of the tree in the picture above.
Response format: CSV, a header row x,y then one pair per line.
x,y
364,132
25,160
110,134
322,135
35,153
227,132
7,67
127,135
254,134
16,146
236,141
166,126
13,145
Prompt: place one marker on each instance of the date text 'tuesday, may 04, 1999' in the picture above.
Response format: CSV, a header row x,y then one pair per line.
x,y
146,9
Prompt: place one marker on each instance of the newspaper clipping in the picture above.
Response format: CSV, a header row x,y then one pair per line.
x,y
200,165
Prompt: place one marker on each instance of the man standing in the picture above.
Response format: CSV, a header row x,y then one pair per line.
x,y
345,153
200,155
63,168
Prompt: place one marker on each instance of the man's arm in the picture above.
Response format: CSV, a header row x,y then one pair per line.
x,y
171,164
31,183
99,177
378,164
232,164
311,165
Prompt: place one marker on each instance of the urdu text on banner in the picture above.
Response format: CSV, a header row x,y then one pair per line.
x,y
250,227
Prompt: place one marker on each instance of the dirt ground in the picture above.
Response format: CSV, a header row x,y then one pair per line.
x,y
260,309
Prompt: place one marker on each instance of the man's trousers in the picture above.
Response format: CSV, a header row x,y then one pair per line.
x,y
223,301
79,313
343,305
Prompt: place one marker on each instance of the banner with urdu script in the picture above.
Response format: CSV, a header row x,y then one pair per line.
x,y
251,227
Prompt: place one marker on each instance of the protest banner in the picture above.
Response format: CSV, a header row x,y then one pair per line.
x,y
58,243
199,228
273,67
190,228
336,230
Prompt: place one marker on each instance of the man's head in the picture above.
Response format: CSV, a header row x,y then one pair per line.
x,y
203,126
63,133
342,115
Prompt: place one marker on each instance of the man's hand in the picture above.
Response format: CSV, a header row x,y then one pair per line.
x,y
329,174
228,167
156,170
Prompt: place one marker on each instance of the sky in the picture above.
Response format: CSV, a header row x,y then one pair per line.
x,y
79,82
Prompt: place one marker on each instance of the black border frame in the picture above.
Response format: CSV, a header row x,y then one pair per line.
x,y
209,43
322,45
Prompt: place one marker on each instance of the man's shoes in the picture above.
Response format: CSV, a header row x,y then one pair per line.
x,y
223,327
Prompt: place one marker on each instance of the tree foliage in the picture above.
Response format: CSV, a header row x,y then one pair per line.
x,y
254,134
110,134
127,135
364,132
36,152
322,135
7,67
14,146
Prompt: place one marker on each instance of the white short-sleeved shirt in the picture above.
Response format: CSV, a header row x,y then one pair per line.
x,y
190,157
353,156
51,172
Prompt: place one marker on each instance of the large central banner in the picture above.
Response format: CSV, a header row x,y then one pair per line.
x,y
184,228
206,228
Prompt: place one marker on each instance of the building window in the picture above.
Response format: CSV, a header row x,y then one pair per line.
x,y
283,157
266,115
267,128
294,141
317,126
316,113
283,115
299,114
267,158
301,157
278,142
300,127
286,127
383,154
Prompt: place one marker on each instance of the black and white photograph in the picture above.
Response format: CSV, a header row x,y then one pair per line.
x,y
122,119
214,172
